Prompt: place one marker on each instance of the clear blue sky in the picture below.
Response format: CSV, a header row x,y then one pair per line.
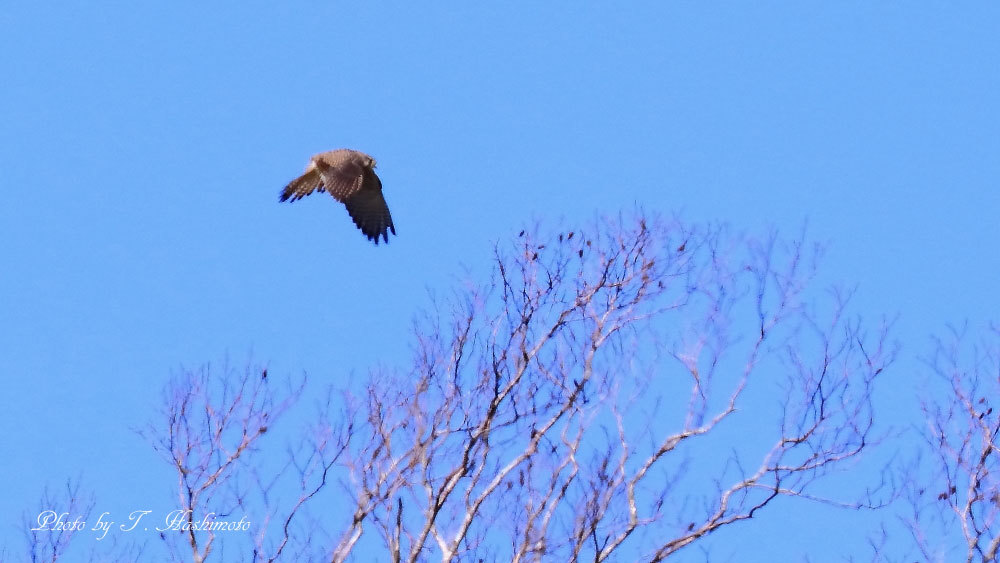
x,y
142,150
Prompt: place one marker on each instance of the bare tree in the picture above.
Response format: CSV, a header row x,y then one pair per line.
x,y
50,529
212,425
564,406
955,485
618,392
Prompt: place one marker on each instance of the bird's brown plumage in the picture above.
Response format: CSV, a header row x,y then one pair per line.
x,y
349,176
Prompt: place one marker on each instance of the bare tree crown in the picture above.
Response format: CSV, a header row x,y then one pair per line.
x,y
620,391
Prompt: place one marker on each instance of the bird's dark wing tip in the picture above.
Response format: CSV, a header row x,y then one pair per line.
x,y
288,193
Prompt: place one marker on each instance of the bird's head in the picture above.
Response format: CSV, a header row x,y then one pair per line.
x,y
370,163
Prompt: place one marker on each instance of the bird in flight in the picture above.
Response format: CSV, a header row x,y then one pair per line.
x,y
349,176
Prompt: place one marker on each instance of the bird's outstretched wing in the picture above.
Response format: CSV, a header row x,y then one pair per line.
x,y
368,209
303,185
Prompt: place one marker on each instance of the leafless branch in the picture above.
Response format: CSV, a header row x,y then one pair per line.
x,y
961,491
49,531
212,423
541,417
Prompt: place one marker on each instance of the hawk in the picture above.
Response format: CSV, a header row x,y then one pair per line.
x,y
349,176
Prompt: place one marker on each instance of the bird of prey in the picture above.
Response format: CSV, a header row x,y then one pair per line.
x,y
349,176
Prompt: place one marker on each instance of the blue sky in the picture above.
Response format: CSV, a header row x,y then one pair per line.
x,y
142,150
